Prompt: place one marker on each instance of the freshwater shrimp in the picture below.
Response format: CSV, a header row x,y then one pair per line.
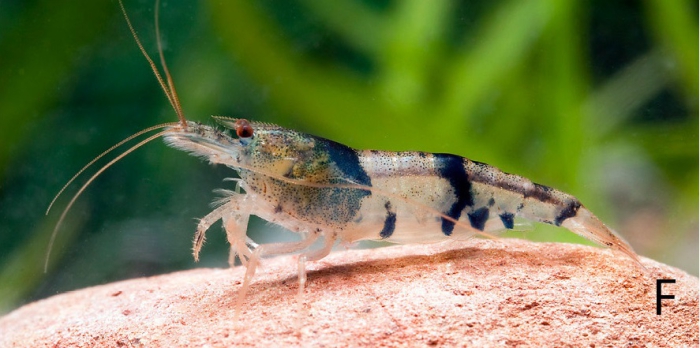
x,y
321,189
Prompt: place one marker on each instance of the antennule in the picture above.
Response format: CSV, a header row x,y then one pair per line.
x,y
167,88
171,84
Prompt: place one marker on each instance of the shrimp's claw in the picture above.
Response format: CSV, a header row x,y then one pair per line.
x,y
589,226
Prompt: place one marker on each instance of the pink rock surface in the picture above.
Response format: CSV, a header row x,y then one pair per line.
x,y
474,293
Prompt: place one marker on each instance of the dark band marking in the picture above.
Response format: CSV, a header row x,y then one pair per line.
x,y
347,161
451,167
570,211
478,218
540,192
487,174
507,220
492,202
389,222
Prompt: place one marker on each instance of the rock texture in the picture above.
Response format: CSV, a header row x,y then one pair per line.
x,y
474,293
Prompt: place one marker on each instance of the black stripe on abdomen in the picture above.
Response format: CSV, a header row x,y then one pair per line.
x,y
478,218
389,222
570,211
451,168
507,220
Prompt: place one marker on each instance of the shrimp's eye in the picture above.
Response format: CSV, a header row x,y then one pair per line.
x,y
243,129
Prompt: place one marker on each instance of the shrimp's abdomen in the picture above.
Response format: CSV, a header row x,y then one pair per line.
x,y
423,197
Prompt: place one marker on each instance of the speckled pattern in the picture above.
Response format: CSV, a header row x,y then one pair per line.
x,y
480,293
316,186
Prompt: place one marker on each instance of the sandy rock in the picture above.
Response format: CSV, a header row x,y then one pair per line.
x,y
475,293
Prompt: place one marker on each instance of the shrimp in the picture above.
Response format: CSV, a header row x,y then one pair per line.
x,y
319,188
327,191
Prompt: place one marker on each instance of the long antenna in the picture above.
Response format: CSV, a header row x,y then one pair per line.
x,y
92,178
102,155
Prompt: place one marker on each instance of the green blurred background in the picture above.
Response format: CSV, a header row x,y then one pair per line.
x,y
596,98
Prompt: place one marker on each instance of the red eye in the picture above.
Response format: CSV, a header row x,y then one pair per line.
x,y
243,128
